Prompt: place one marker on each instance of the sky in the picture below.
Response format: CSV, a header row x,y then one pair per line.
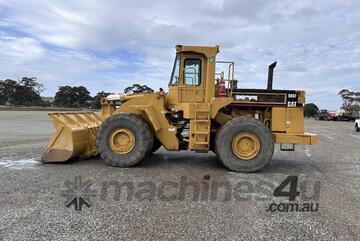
x,y
111,44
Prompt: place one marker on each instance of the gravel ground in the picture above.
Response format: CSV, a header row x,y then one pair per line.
x,y
158,199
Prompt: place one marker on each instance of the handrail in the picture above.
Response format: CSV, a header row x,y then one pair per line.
x,y
190,67
231,74
193,82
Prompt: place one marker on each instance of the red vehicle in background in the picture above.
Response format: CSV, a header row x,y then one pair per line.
x,y
325,115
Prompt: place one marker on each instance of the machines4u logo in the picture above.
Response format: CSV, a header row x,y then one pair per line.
x,y
78,193
289,189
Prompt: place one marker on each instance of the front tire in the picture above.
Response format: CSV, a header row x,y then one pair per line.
x,y
357,128
244,144
124,139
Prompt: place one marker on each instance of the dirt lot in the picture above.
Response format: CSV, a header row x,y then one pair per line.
x,y
169,192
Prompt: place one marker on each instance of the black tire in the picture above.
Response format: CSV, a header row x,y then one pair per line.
x,y
144,139
156,146
226,134
357,128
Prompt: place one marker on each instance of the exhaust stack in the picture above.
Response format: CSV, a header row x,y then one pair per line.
x,y
270,75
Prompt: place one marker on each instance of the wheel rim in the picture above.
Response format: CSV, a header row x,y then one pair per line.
x,y
246,145
122,141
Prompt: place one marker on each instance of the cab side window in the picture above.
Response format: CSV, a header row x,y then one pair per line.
x,y
192,69
176,71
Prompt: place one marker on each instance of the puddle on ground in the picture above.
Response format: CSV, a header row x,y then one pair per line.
x,y
19,164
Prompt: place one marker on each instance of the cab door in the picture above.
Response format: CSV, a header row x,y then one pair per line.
x,y
193,79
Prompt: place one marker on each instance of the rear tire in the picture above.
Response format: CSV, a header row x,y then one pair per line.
x,y
114,149
244,137
357,128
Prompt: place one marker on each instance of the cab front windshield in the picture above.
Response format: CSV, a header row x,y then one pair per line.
x,y
175,72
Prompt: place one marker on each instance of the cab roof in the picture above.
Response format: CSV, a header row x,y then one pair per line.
x,y
208,51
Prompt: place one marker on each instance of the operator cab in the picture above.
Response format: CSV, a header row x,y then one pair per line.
x,y
193,71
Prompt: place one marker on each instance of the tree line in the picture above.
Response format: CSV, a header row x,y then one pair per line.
x,y
350,104
350,101
26,92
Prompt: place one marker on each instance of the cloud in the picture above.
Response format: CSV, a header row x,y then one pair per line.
x,y
108,45
19,50
24,56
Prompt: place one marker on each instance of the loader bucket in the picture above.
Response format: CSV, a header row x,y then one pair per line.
x,y
75,136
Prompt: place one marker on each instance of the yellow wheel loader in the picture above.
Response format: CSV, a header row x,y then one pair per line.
x,y
202,111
